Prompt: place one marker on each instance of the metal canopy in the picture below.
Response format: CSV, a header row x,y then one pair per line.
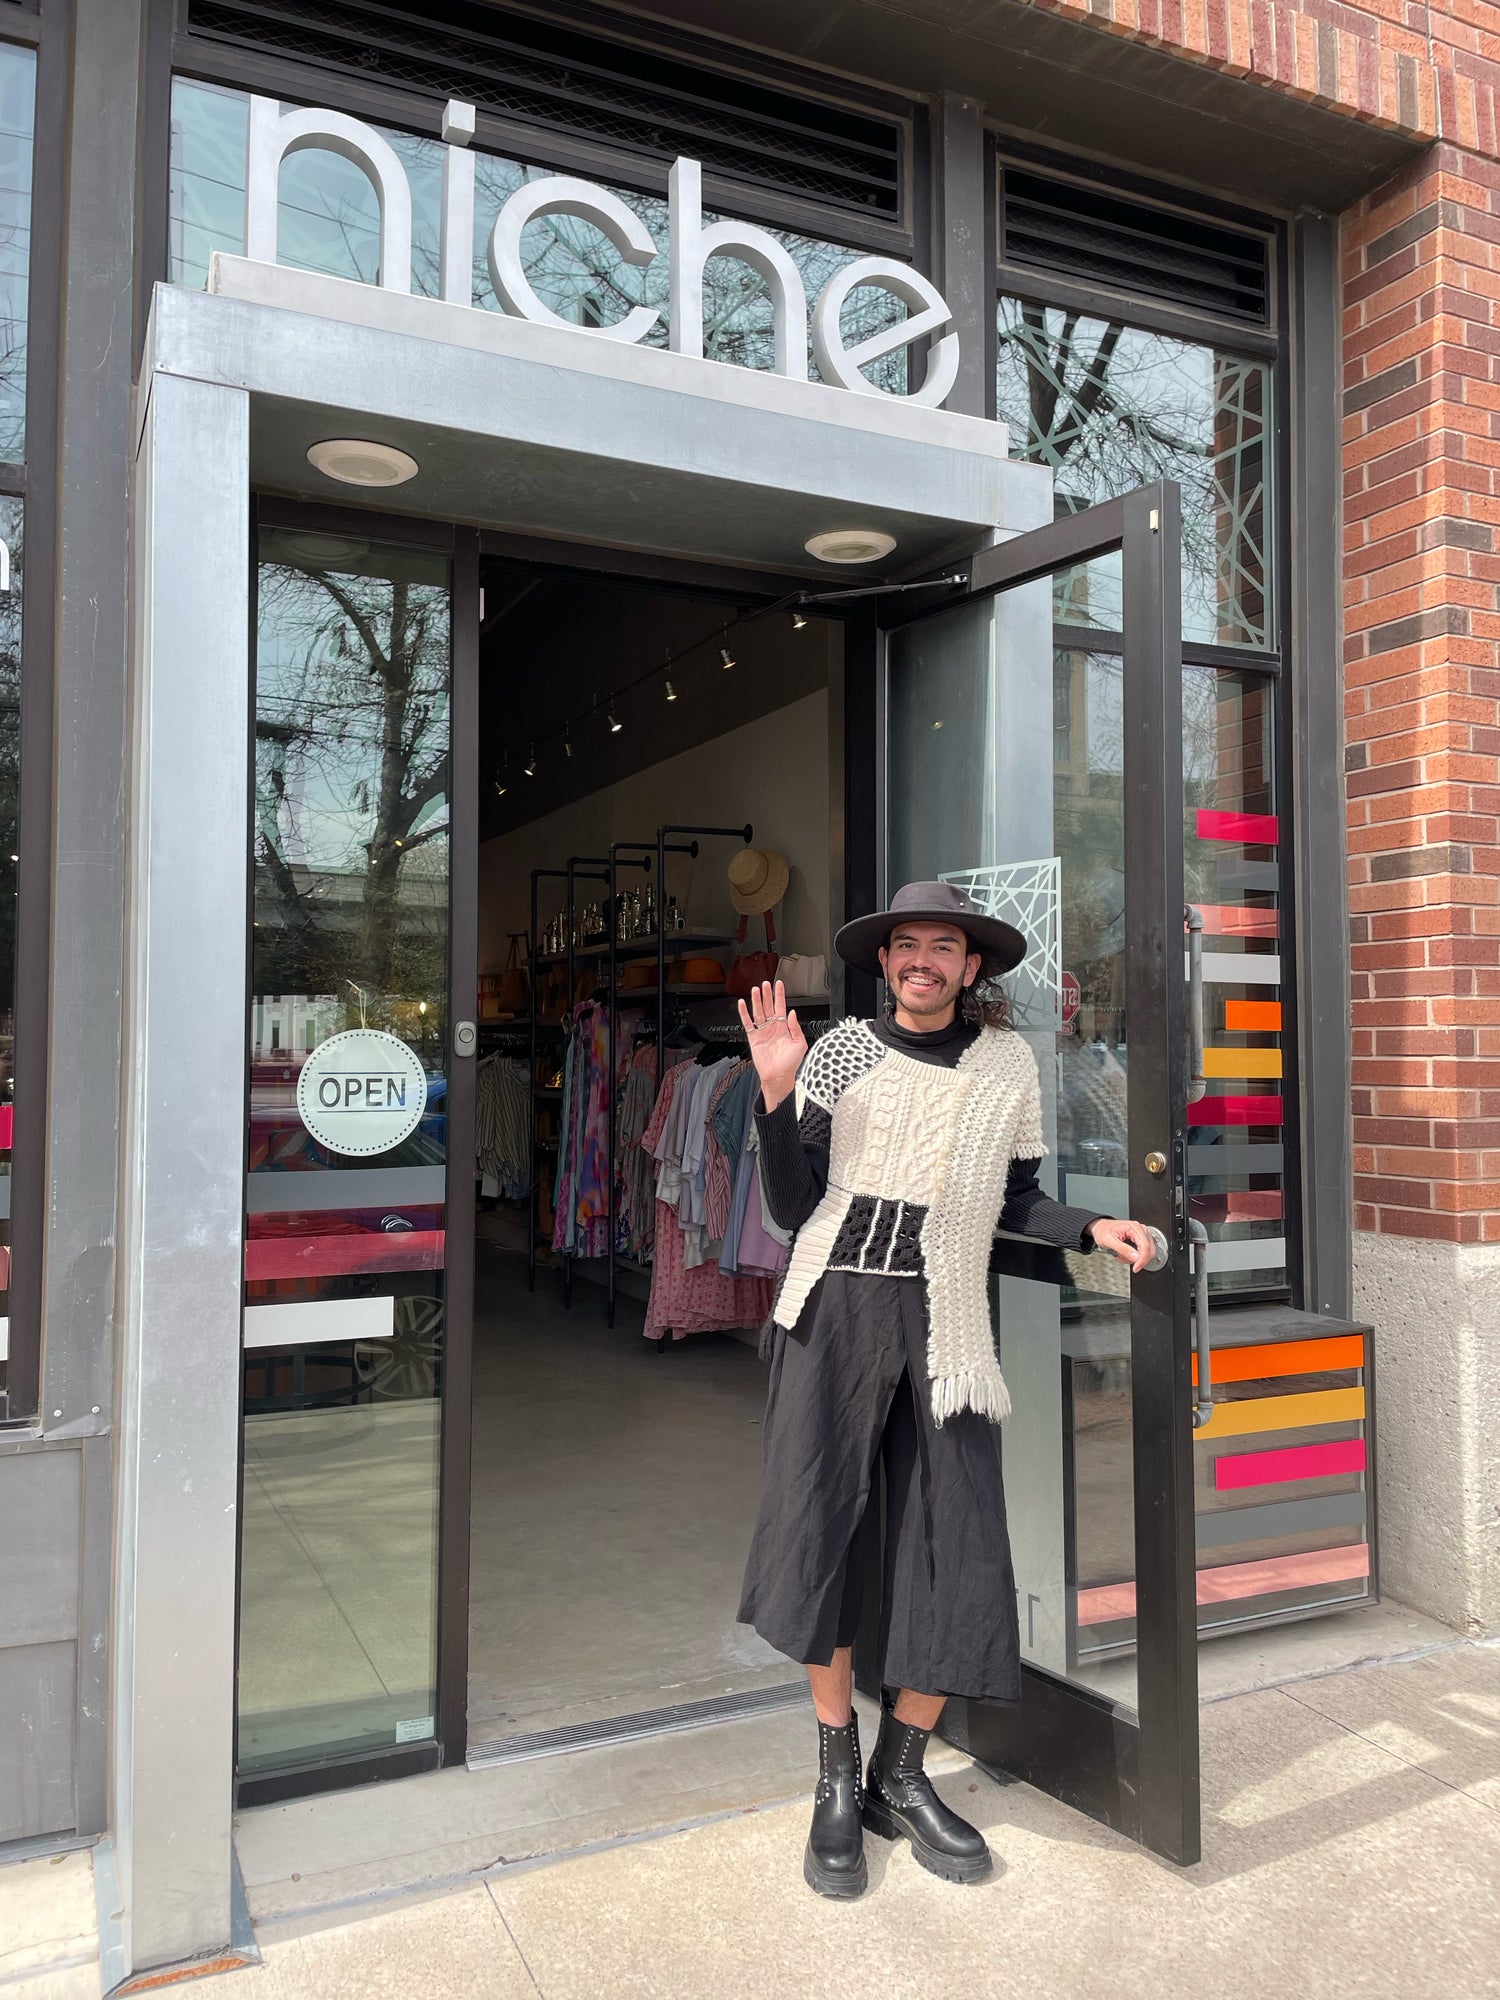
x,y
569,434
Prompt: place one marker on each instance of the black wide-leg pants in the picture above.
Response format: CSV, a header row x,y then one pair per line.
x,y
849,1390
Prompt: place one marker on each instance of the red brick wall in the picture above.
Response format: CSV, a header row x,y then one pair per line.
x,y
1421,568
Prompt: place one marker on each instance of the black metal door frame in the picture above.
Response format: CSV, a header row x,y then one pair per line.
x,y
1136,1772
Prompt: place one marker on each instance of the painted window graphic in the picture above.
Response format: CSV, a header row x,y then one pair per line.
x,y
1279,1527
1231,847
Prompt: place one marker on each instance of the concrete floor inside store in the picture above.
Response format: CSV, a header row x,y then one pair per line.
x,y
614,1493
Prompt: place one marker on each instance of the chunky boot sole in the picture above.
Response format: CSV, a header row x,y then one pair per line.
x,y
841,1883
879,1819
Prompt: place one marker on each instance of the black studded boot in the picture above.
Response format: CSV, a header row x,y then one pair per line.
x,y
899,1799
834,1862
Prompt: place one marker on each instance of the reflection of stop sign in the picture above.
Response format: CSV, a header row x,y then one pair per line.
x,y
1072,996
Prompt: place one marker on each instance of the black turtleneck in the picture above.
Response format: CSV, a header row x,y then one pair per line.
x,y
794,1154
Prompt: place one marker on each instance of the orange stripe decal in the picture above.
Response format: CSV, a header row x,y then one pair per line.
x,y
1252,1017
1287,1357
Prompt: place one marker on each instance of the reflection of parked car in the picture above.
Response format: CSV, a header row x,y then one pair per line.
x,y
279,1139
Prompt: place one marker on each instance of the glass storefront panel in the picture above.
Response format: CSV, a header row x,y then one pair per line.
x,y
17,134
346,1189
1109,407
1231,845
1006,777
11,563
330,222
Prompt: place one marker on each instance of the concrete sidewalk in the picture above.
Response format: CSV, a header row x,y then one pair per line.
x,y
1352,1842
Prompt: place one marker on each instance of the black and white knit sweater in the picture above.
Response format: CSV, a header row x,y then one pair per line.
x,y
883,1169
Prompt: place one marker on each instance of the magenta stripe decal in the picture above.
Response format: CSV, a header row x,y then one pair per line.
x,y
1235,1111
1255,829
1299,1461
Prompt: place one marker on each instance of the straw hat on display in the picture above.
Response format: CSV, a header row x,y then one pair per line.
x,y
757,880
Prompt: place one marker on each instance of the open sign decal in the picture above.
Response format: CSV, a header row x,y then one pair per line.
x,y
361,1092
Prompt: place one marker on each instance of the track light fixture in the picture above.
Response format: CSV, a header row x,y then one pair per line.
x,y
727,658
615,725
500,786
671,691
529,767
799,620
567,740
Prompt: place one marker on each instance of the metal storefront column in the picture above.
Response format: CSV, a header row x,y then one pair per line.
x,y
182,1178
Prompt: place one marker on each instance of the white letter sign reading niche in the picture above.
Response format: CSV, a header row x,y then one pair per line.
x,y
273,135
361,1093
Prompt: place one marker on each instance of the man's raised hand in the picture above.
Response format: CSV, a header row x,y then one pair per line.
x,y
777,1043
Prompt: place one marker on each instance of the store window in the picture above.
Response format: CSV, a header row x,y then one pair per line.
x,y
330,222
1108,404
11,563
1108,407
346,1190
17,131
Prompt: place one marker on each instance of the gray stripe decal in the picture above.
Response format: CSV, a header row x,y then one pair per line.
x,y
360,1187
1284,1517
1235,1159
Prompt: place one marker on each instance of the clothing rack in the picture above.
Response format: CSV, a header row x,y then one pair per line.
x,y
669,840
610,953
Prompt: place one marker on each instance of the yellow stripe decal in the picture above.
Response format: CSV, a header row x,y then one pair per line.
x,y
1242,1062
1285,1413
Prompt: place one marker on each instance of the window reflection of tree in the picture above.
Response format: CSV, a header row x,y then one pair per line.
x,y
1109,407
351,782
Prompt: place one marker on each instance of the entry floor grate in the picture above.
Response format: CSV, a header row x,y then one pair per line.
x,y
646,1722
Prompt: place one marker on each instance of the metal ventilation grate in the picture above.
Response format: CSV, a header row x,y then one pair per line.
x,y
1097,239
583,87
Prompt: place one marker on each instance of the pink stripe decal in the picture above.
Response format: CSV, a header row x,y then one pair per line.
x,y
1235,1111
1298,1461
1255,829
7,1126
343,1256
1235,1580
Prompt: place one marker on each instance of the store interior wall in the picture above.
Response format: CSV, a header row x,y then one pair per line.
x,y
772,772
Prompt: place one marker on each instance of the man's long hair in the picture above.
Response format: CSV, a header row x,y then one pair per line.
x,y
986,1004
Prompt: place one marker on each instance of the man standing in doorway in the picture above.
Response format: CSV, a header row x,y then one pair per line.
x,y
894,1150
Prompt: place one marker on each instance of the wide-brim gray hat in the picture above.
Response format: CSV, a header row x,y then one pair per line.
x,y
859,943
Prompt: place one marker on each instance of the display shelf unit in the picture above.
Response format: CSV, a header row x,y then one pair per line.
x,y
610,954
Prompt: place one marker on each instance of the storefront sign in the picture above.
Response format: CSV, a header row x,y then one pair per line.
x,y
361,1092
273,135
1072,998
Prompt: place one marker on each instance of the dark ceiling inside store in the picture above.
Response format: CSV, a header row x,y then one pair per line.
x,y
557,649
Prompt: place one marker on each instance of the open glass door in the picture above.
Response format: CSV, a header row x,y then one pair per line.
x,y
1043,774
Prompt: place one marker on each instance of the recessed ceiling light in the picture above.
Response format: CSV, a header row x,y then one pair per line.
x,y
362,462
850,545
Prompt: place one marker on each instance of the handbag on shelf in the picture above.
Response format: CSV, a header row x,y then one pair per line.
x,y
750,968
515,979
804,975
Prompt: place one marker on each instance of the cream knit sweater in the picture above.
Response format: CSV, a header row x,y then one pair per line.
x,y
942,1139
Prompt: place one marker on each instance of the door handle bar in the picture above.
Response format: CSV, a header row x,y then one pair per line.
x,y
1197,1082
1203,1405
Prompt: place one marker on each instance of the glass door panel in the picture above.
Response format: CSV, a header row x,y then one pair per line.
x,y
1044,777
347,1154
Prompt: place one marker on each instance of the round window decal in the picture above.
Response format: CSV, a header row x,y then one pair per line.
x,y
361,1092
